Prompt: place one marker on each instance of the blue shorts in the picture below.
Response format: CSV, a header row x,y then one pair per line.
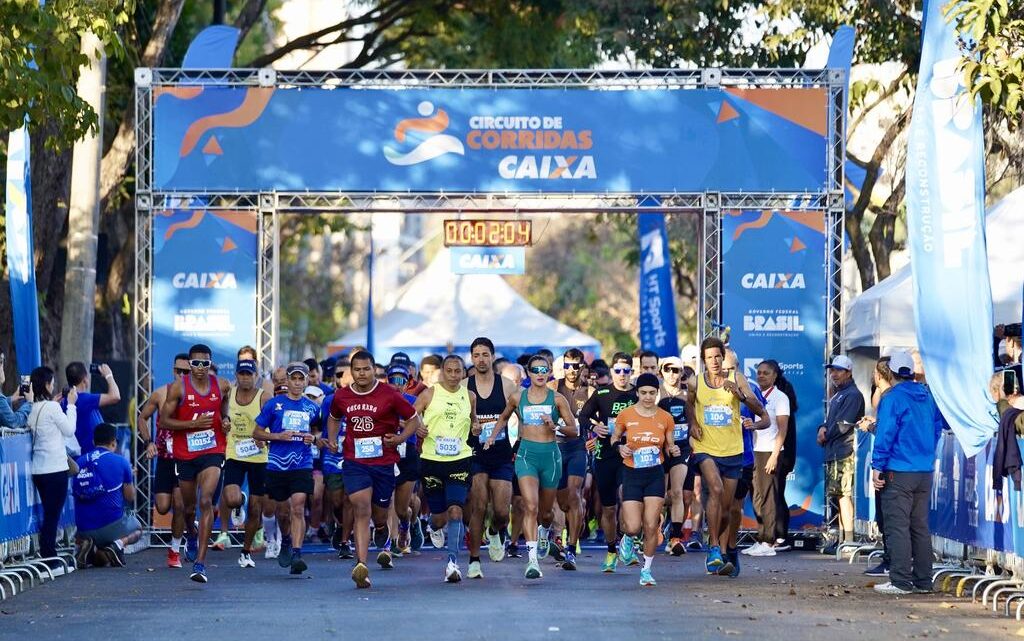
x,y
729,467
409,466
574,462
359,476
495,470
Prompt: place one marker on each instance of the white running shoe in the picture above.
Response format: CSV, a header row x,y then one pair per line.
x,y
495,548
753,549
452,574
245,561
437,538
273,549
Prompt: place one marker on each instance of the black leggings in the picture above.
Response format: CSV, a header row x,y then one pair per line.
x,y
53,491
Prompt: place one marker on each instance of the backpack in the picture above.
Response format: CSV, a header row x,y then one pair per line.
x,y
88,485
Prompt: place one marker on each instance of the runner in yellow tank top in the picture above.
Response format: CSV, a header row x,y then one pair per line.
x,y
449,416
716,433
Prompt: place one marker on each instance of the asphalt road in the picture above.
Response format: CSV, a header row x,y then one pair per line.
x,y
791,597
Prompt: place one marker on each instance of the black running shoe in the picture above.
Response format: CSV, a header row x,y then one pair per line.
x,y
298,566
345,551
512,551
115,554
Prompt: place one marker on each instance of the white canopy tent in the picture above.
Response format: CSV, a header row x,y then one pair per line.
x,y
441,310
883,316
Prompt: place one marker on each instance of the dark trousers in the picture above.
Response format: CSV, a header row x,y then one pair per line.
x,y
786,466
766,492
53,491
880,521
905,500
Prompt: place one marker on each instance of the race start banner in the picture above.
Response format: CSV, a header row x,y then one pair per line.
x,y
204,286
774,300
547,140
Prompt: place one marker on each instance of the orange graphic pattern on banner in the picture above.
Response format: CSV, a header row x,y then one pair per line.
x,y
805,107
256,100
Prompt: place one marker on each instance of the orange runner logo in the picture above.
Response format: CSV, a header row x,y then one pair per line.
x,y
436,144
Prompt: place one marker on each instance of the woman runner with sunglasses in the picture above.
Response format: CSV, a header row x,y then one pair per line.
x,y
538,462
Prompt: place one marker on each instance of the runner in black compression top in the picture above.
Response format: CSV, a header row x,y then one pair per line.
x,y
574,454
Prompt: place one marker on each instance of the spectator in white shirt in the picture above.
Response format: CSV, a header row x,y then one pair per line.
x,y
768,445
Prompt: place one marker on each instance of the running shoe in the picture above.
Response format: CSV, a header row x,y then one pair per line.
x,y
381,537
416,535
173,559
749,551
495,549
298,566
321,534
543,542
403,543
592,527
452,574
627,551
222,542
384,560
882,569
475,571
533,570
764,550
889,588
273,549
695,544
245,560
714,559
198,573
676,547
115,554
361,575
781,545
336,538
191,549
345,551
611,559
732,564
284,559
569,561
238,516
84,549
436,538
512,551
646,579
557,550
259,542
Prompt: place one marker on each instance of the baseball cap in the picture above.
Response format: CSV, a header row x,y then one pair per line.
x,y
841,362
902,363
297,366
397,368
313,391
246,365
673,361
689,353
647,380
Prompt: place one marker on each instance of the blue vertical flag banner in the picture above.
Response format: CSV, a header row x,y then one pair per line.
x,y
774,299
204,286
946,232
20,263
657,299
370,339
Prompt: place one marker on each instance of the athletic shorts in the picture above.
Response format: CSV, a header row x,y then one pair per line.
x,y
608,476
409,466
495,470
189,470
165,480
574,462
334,482
360,476
111,532
682,459
446,483
691,476
745,483
729,467
638,484
542,461
281,485
839,477
237,471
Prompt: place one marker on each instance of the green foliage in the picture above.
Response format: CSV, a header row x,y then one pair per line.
x,y
993,43
48,38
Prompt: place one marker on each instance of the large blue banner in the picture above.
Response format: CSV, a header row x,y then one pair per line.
x,y
657,298
204,286
556,140
774,300
21,269
20,509
946,233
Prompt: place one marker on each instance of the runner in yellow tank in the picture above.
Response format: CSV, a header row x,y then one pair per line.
x,y
716,432
449,416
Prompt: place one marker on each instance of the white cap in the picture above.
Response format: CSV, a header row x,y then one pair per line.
x,y
841,362
674,361
313,391
689,353
902,363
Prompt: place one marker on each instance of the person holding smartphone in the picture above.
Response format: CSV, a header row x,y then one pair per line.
x,y
9,417
79,376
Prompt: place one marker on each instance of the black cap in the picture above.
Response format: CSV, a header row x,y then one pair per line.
x,y
647,380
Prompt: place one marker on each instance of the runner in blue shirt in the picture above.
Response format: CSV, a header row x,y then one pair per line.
x,y
88,404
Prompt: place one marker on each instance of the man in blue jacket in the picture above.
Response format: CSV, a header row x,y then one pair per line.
x,y
902,462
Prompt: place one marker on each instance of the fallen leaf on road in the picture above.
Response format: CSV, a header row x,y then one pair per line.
x,y
792,592
913,617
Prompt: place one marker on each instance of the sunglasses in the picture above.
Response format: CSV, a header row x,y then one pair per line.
x,y
572,365
200,363
540,369
674,370
182,370
622,370
398,380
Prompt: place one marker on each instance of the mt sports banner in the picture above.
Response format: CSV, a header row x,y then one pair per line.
x,y
204,286
537,140
774,300
657,298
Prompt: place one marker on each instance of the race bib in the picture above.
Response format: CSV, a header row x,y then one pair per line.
x,y
295,421
246,448
611,427
717,415
369,447
486,429
447,446
681,432
314,451
534,414
401,449
645,457
169,446
200,441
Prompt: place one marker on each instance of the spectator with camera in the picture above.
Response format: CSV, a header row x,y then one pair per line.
x,y
9,417
102,488
79,378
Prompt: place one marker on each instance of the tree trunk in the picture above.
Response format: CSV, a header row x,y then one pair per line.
x,y
83,219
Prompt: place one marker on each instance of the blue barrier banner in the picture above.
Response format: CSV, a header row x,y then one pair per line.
x,y
553,140
774,301
657,298
946,234
204,286
20,264
864,491
488,260
20,509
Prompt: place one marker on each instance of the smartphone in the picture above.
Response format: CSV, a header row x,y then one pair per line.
x,y
94,368
1010,385
25,380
